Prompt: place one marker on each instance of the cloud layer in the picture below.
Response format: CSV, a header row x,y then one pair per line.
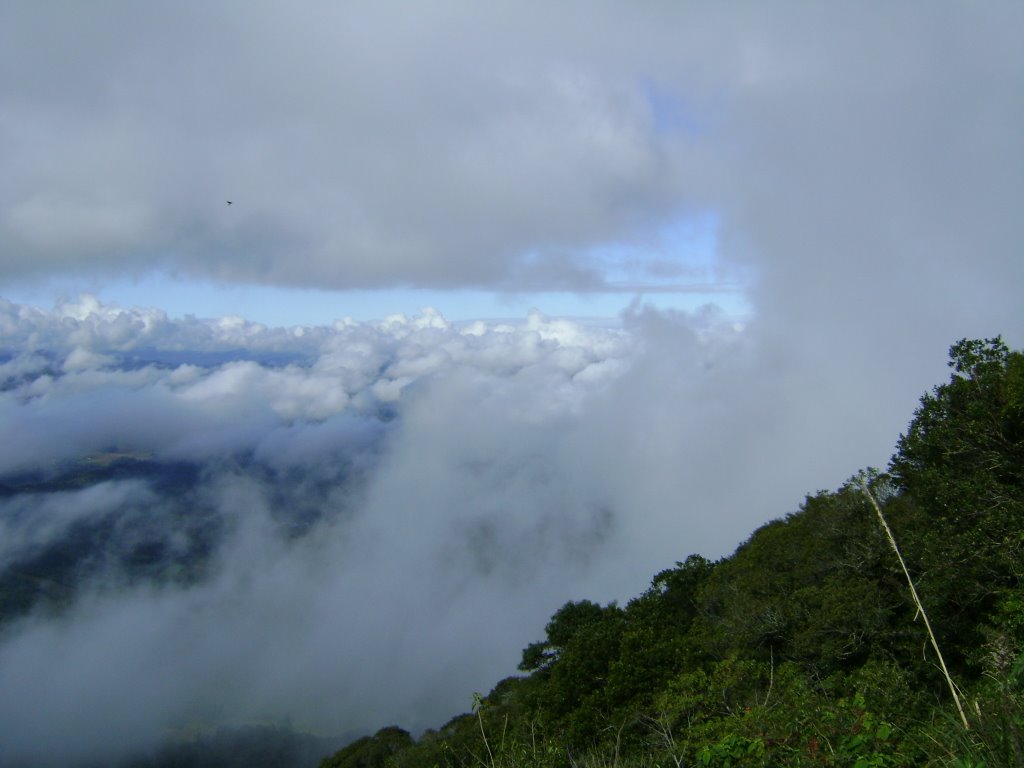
x,y
359,513
496,147
346,526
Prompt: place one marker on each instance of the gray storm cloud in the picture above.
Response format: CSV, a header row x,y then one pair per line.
x,y
493,147
438,158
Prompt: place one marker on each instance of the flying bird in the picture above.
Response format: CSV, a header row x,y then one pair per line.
x,y
229,202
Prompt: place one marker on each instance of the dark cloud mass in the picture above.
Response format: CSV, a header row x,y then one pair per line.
x,y
349,525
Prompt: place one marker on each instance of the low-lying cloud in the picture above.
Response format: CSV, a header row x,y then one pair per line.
x,y
368,533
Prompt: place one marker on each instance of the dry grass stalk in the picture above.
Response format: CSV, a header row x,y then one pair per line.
x,y
864,487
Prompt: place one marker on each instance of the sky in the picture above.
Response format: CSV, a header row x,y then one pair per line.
x,y
690,239
520,302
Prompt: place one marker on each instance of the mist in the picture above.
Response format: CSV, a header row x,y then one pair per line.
x,y
370,535
365,538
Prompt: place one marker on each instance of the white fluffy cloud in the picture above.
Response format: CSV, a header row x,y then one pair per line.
x,y
424,450
395,511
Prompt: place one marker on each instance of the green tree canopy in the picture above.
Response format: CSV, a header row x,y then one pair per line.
x,y
567,622
962,462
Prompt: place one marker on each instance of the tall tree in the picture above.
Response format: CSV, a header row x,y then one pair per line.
x,y
962,462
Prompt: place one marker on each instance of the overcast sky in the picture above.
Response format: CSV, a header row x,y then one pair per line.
x,y
781,214
575,147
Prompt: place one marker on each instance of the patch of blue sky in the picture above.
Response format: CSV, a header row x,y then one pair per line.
x,y
276,306
669,111
284,307
677,263
679,253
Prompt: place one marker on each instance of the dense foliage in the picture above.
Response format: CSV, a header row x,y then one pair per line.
x,y
804,647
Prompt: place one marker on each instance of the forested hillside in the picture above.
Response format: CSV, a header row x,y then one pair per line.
x,y
806,645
